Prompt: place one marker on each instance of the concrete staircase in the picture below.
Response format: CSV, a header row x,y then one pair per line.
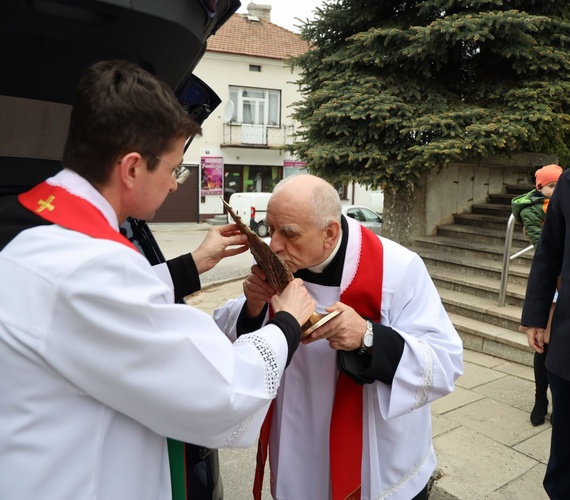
x,y
218,220
465,262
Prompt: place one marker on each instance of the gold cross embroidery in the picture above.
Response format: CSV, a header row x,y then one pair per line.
x,y
43,204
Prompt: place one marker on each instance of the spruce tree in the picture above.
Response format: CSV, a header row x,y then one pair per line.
x,y
393,89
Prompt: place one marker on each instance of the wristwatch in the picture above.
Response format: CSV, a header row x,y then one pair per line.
x,y
367,338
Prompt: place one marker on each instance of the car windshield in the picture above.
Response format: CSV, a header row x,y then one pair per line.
x,y
369,215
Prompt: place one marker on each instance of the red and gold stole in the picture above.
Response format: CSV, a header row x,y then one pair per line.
x,y
57,205
364,295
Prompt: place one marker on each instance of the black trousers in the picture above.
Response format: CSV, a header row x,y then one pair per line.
x,y
540,374
557,478
422,495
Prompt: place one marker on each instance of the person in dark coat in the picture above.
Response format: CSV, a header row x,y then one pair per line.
x,y
551,260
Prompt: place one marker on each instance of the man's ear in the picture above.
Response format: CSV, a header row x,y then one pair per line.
x,y
131,168
332,233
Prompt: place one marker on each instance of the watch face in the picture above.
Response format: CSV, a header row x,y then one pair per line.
x,y
368,338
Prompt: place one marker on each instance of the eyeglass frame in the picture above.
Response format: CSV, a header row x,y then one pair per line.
x,y
179,172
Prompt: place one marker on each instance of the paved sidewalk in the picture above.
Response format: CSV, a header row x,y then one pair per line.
x,y
484,441
179,238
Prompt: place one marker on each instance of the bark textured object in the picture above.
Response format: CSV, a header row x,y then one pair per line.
x,y
277,272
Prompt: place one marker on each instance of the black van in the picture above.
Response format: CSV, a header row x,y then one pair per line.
x,y
44,47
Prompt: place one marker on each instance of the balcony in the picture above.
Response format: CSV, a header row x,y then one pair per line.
x,y
257,136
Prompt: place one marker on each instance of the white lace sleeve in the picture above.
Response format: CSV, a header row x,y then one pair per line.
x,y
227,315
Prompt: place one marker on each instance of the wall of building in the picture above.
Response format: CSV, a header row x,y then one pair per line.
x,y
220,71
454,190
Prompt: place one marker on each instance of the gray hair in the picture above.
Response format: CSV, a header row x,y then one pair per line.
x,y
324,203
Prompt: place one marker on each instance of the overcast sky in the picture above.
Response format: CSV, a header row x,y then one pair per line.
x,y
284,12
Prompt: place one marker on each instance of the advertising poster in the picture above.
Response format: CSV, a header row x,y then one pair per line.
x,y
293,167
212,168
294,163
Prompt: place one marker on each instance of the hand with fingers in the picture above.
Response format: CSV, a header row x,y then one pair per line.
x,y
534,337
257,291
220,242
295,300
344,332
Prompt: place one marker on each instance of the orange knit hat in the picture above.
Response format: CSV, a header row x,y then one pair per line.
x,y
546,175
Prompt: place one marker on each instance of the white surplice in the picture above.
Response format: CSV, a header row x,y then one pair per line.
x,y
97,365
398,456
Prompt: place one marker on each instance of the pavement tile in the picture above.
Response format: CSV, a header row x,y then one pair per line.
x,y
473,466
458,398
441,425
495,420
215,295
476,375
510,390
528,486
237,468
482,359
537,447
516,369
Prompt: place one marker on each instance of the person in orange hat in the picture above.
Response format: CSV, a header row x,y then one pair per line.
x,y
530,210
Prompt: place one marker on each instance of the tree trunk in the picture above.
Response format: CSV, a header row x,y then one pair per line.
x,y
402,214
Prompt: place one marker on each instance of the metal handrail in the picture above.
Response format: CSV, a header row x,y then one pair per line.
x,y
507,259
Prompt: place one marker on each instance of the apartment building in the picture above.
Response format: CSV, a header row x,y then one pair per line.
x,y
242,145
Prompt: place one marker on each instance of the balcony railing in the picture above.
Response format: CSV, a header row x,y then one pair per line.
x,y
257,136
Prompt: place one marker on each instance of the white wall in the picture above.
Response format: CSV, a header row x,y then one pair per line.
x,y
368,198
219,71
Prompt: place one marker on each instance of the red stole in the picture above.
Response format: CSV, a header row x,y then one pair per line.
x,y
57,205
364,295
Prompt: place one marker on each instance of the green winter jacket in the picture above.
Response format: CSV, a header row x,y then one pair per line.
x,y
529,210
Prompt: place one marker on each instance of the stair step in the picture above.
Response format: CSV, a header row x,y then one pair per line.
x,y
469,265
496,209
459,246
493,340
483,234
481,308
486,221
502,198
465,262
216,222
480,286
516,189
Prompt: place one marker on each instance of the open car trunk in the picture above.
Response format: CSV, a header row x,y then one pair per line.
x,y
44,47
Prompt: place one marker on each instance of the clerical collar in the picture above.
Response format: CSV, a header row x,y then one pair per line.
x,y
79,186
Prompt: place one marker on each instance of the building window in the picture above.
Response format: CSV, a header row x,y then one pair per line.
x,y
255,67
342,190
256,106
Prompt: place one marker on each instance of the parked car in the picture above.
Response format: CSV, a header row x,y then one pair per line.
x,y
44,47
251,207
367,217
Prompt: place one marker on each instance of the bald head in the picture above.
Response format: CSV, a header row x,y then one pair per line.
x,y
303,216
319,199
